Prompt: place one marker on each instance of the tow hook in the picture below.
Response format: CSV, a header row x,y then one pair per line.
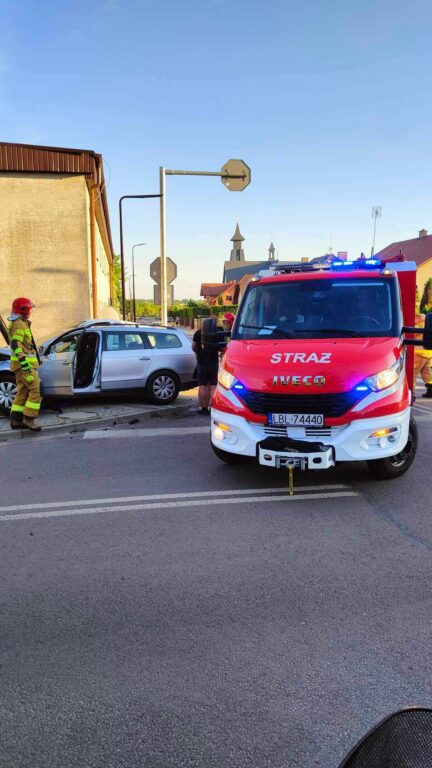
x,y
291,478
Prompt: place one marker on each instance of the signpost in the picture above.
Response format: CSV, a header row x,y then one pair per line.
x,y
156,275
235,175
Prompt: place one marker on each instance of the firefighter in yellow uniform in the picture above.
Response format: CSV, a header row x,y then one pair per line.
x,y
24,363
423,361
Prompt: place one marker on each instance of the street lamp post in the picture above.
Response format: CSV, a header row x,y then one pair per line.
x,y
137,245
376,214
235,175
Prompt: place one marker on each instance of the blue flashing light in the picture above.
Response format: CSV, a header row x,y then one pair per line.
x,y
357,264
361,388
239,387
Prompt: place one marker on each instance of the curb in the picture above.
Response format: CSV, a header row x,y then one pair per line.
x,y
164,412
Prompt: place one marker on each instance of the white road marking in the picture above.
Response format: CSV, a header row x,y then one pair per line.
x,y
113,434
423,408
173,504
168,497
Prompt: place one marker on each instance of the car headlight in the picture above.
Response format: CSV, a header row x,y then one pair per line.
x,y
226,379
386,378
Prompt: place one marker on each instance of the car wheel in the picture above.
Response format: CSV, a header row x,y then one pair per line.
x,y
227,457
396,466
162,387
7,392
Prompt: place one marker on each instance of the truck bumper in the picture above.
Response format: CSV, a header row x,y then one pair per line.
x,y
355,441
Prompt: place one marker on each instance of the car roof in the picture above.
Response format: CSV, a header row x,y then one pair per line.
x,y
130,326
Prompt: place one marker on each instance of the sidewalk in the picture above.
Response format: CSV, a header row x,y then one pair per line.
x,y
70,416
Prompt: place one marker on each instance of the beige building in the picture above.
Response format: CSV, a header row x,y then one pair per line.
x,y
55,238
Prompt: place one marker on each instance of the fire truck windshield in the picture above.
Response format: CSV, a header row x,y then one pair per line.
x,y
324,308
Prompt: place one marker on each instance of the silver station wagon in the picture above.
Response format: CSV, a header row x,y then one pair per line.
x,y
110,358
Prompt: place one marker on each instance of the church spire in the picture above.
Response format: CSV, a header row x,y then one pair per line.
x,y
271,252
237,252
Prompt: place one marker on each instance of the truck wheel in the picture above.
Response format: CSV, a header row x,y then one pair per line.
x,y
396,466
162,387
227,457
7,392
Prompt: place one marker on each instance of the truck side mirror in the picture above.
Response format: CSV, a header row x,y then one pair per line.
x,y
211,338
427,334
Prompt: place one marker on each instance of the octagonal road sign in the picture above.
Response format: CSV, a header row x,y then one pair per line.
x,y
238,169
155,270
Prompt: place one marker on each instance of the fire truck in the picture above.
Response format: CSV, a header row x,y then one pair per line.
x,y
319,368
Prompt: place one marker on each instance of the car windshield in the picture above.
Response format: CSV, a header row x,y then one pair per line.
x,y
323,308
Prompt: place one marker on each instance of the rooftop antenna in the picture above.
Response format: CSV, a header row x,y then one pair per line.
x,y
376,214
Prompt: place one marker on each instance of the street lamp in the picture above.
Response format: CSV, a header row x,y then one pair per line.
x,y
137,245
376,214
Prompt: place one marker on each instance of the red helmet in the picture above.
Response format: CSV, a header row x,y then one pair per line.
x,y
229,318
22,306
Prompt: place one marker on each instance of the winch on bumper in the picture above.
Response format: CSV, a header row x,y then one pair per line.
x,y
286,452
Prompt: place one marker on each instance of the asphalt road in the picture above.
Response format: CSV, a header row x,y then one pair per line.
x,y
159,608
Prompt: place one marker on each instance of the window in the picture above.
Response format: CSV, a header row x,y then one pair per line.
x,y
116,341
163,340
66,343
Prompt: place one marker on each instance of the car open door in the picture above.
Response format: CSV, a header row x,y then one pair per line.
x,y
57,365
3,332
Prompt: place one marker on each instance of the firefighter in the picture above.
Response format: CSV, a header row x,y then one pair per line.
x,y
423,361
24,363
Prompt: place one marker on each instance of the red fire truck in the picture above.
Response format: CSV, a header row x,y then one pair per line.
x,y
319,369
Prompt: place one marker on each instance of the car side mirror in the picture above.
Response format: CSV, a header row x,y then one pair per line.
x,y
427,334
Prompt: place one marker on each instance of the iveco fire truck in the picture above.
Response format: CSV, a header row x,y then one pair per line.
x,y
319,368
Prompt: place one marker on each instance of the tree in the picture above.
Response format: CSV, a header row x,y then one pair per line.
x,y
116,283
426,299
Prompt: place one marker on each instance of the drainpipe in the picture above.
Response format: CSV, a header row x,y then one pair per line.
x,y
93,190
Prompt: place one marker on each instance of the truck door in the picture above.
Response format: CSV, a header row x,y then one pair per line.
x,y
57,368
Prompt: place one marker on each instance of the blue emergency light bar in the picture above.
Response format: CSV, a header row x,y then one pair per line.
x,y
358,264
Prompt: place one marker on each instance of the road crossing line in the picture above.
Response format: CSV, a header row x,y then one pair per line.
x,y
168,497
121,434
176,504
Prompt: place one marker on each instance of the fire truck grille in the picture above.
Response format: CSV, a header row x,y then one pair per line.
x,y
330,405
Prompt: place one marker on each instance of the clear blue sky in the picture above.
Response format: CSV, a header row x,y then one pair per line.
x,y
328,101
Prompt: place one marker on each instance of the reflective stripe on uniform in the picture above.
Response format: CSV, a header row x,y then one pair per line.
x,y
14,358
32,359
17,408
18,337
35,406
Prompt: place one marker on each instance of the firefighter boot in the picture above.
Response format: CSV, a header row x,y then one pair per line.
x,y
16,420
31,424
428,392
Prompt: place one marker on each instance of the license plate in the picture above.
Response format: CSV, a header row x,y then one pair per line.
x,y
297,419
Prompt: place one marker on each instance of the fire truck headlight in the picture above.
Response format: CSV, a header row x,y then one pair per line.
x,y
386,378
226,379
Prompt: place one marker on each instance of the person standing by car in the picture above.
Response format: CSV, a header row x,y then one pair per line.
x,y
423,361
24,363
208,365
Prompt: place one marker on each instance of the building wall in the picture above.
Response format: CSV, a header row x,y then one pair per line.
x,y
424,273
45,249
102,264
